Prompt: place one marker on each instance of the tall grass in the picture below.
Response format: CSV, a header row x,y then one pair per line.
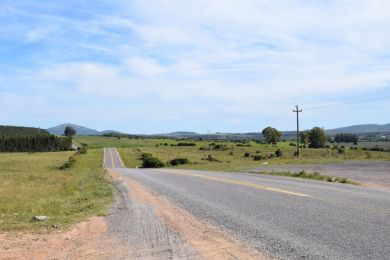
x,y
33,184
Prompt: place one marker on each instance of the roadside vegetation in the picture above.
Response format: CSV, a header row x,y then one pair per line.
x,y
311,176
35,185
230,155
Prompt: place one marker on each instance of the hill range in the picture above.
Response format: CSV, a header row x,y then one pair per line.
x,y
357,129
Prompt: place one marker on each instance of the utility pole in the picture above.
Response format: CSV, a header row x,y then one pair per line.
x,y
297,111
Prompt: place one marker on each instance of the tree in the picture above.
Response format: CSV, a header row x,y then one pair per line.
x,y
304,136
69,131
346,138
317,138
271,135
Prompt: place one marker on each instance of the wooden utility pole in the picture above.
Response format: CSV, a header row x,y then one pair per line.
x,y
297,111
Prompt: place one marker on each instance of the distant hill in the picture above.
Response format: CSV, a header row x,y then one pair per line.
x,y
80,130
112,132
181,133
358,129
361,129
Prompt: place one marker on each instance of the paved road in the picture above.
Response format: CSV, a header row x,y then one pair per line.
x,y
112,158
283,217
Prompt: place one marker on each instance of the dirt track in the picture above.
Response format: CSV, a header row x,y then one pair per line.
x,y
375,174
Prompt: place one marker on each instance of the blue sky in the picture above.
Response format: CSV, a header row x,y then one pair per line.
x,y
223,65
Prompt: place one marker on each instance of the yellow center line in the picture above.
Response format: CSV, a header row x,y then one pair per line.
x,y
119,158
112,158
241,183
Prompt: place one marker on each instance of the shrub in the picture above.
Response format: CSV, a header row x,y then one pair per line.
x,y
185,144
178,161
340,150
148,161
231,153
69,163
211,158
278,153
221,147
81,150
247,154
257,157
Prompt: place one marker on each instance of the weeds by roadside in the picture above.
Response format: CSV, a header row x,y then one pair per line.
x,y
312,176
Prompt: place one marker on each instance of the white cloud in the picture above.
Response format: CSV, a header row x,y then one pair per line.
x,y
220,57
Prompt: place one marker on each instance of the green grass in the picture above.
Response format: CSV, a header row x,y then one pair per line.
x,y
312,176
33,184
230,159
102,141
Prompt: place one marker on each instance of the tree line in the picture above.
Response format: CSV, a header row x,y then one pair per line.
x,y
28,139
346,138
315,138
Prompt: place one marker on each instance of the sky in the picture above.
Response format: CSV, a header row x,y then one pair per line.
x,y
159,66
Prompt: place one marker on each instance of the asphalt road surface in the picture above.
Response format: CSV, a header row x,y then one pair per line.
x,y
112,158
285,218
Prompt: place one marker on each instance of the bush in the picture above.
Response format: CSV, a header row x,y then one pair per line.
x,y
340,150
211,158
178,161
184,144
257,157
148,161
221,147
69,163
278,153
81,150
247,154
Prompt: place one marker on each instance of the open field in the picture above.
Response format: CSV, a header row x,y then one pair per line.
x,y
229,156
33,184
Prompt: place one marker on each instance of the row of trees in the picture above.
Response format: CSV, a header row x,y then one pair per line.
x,y
26,139
315,138
346,138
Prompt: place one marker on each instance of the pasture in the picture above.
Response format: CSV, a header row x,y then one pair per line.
x,y
225,155
32,184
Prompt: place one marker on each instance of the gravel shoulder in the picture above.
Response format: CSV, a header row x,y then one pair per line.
x,y
141,225
372,174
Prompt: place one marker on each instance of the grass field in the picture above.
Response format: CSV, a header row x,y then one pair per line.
x,y
32,184
228,158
